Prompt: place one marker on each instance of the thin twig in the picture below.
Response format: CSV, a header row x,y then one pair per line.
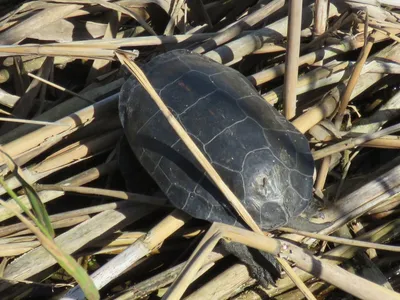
x,y
24,121
355,76
343,241
103,192
60,88
293,276
354,142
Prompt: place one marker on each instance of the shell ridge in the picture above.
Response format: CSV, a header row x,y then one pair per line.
x,y
225,129
197,101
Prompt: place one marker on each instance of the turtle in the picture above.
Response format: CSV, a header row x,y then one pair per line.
x,y
260,155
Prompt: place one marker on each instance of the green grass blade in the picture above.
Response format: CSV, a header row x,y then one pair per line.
x,y
24,208
38,207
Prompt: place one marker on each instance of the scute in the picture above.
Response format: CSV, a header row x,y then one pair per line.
x,y
259,154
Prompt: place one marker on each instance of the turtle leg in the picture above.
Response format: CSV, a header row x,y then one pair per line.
x,y
137,180
262,266
216,232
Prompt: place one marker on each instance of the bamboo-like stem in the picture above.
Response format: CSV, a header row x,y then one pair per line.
x,y
238,276
102,47
310,58
39,140
245,23
103,192
62,258
354,142
323,173
292,58
307,262
207,243
320,17
343,241
142,247
346,281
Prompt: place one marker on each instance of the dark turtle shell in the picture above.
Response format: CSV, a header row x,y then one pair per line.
x,y
259,154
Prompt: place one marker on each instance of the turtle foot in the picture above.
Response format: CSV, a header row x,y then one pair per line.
x,y
262,266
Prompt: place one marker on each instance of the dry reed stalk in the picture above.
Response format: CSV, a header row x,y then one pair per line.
x,y
345,99
319,77
310,58
70,106
326,271
46,196
38,260
55,252
8,99
237,49
354,142
344,19
161,280
243,24
342,241
143,199
72,154
387,112
59,87
142,247
47,136
72,52
169,29
23,107
31,65
20,80
37,21
19,227
293,276
237,277
269,48
358,202
33,122
329,103
292,58
385,142
392,142
100,66
99,49
320,17
70,222
323,173
129,12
